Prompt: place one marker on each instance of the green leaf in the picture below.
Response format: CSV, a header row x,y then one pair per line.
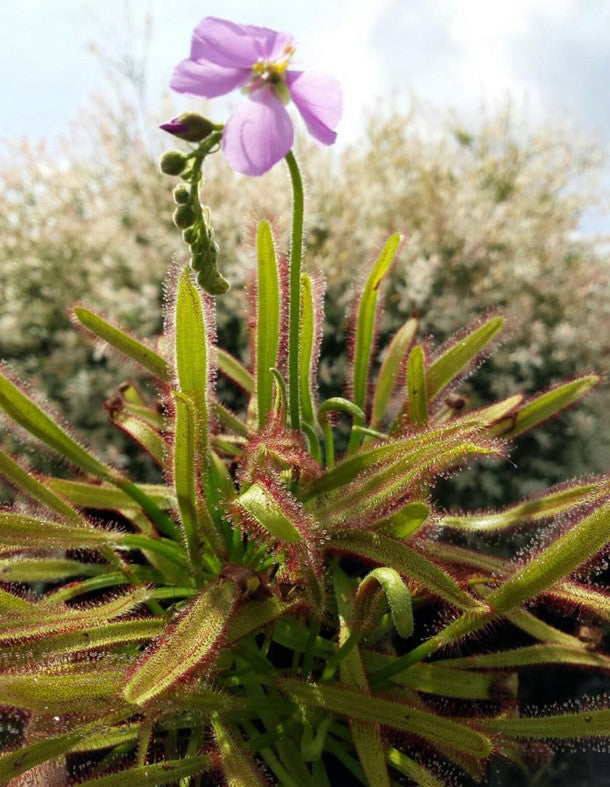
x,y
596,602
366,735
234,370
121,341
531,655
438,678
101,635
29,532
192,354
365,326
237,764
306,355
407,521
546,406
398,449
546,506
261,505
420,775
191,643
389,552
164,772
74,691
35,489
185,475
354,704
563,556
30,416
585,724
416,387
268,320
143,433
390,370
46,569
42,619
89,495
453,361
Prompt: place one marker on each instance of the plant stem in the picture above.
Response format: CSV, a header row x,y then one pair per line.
x,y
294,291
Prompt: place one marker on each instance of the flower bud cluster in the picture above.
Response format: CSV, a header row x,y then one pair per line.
x,y
190,216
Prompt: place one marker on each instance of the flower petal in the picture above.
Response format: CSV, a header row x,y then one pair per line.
x,y
319,99
258,134
206,80
236,46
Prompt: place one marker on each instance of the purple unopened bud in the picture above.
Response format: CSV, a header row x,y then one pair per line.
x,y
189,126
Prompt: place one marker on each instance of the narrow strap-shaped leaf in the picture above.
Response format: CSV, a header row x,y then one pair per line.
x,y
438,678
29,532
416,387
596,602
390,370
192,353
366,735
389,552
143,433
365,327
268,320
545,406
393,450
12,604
531,655
31,486
102,635
397,594
405,522
453,361
229,420
46,569
387,487
35,421
42,619
88,495
121,341
420,775
585,724
159,773
235,370
74,691
546,506
563,556
262,506
24,758
254,615
185,477
114,736
309,345
191,643
238,766
349,702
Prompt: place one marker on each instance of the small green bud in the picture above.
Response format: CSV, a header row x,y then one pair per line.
x,y
189,235
181,194
172,162
183,217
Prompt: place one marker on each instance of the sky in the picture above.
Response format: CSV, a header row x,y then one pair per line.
x,y
551,56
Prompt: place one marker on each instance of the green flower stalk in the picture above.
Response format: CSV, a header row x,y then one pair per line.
x,y
269,613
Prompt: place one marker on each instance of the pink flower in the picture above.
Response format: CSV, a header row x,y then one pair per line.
x,y
226,56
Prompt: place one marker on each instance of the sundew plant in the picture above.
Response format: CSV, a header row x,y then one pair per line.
x,y
286,607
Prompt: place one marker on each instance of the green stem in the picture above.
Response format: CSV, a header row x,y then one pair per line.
x,y
296,252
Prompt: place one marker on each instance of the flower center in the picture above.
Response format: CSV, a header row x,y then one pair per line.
x,y
271,72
